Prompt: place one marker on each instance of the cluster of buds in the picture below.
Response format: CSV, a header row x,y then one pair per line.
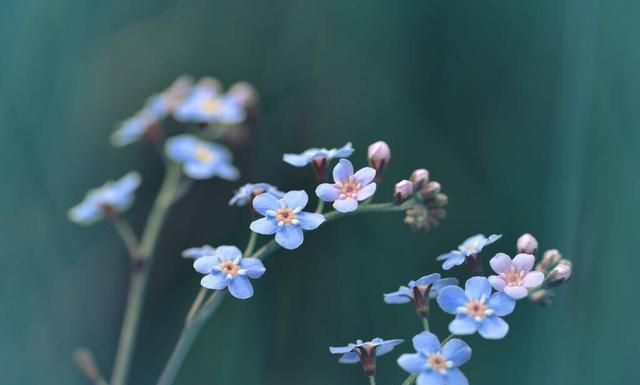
x,y
557,271
429,210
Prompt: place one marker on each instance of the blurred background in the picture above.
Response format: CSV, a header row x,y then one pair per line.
x,y
526,112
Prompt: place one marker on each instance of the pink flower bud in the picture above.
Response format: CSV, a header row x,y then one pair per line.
x,y
562,270
527,244
403,190
419,177
379,156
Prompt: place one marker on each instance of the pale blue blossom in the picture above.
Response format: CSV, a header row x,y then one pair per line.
x,y
303,159
349,187
200,159
205,104
470,246
244,193
351,353
198,252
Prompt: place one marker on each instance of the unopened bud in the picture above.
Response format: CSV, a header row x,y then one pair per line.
x,y
419,177
527,244
379,156
440,200
403,191
542,297
562,270
549,259
430,189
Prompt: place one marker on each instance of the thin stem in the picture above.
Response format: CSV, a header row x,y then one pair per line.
x,y
202,293
425,323
320,206
129,238
140,274
371,208
410,379
251,244
447,339
372,380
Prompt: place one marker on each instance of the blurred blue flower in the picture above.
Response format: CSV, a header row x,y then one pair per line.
x,y
285,218
198,252
476,309
132,129
244,193
226,268
431,283
111,199
349,188
200,159
361,350
436,365
470,246
303,159
204,104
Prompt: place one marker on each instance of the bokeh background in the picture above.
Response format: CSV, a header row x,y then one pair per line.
x,y
526,111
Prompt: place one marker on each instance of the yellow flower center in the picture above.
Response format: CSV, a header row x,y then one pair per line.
x,y
203,154
437,362
210,106
349,189
285,215
476,308
229,268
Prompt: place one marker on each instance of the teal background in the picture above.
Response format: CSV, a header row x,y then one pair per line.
x,y
527,113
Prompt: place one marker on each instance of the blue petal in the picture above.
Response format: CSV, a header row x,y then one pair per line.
x,y
457,351
205,264
451,298
463,325
199,170
240,287
349,358
327,192
227,171
342,171
366,192
265,226
296,199
426,342
477,287
297,160
387,346
265,202
451,259
345,205
342,152
501,304
215,281
253,266
228,253
403,295
198,252
85,213
310,221
289,236
427,279
412,363
441,284
430,378
492,238
341,349
180,147
365,175
493,328
455,377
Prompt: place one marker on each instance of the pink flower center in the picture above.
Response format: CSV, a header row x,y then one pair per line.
x,y
476,308
229,268
349,189
513,277
285,215
438,362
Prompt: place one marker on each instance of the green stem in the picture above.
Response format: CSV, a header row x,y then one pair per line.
x,y
128,236
372,380
140,274
371,208
425,323
447,339
251,244
320,206
410,379
202,293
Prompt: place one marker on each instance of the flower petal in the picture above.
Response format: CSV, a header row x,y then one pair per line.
x,y
289,236
403,295
228,253
180,147
516,292
455,376
463,325
297,160
493,328
497,282
501,263
427,279
430,378
227,171
457,351
199,170
345,205
426,342
264,202
451,259
533,279
265,226
310,221
343,151
253,266
365,175
366,192
524,262
501,304
215,281
477,287
240,287
387,346
342,171
451,298
412,363
341,349
441,284
205,264
492,238
296,199
327,192
349,358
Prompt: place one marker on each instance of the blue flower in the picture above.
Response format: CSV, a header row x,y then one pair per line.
x,y
476,309
244,193
200,159
285,218
111,199
198,252
303,159
132,129
436,365
226,268
431,282
205,105
470,246
349,188
364,352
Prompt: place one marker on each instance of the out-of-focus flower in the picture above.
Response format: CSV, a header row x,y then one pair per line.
x,y
318,154
134,128
559,274
226,268
198,252
527,244
436,365
379,155
349,188
111,199
365,352
419,292
515,277
205,104
244,94
251,190
200,159
549,260
471,246
402,191
164,104
419,177
476,309
285,218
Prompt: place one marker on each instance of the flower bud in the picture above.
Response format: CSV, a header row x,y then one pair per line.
x,y
527,244
419,177
430,189
379,156
403,191
562,270
549,259
440,200
542,297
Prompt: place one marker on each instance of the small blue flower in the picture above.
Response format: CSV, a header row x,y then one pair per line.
x,y
349,188
303,159
285,218
205,105
476,309
111,199
470,246
227,268
244,193
132,129
436,365
198,252
353,353
431,282
200,159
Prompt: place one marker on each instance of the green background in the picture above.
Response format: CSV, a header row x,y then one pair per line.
x,y
527,112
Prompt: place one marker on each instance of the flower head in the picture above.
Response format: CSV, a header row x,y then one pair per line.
x,y
514,276
379,155
436,364
204,104
198,252
226,268
419,177
470,246
476,309
111,199
133,129
527,244
349,188
200,159
285,218
303,159
365,352
419,292
250,190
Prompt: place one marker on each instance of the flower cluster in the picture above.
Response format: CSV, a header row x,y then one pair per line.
x,y
430,211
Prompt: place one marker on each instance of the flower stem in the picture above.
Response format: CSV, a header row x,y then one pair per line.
x,y
371,208
202,293
320,206
141,267
251,244
372,380
425,323
447,339
129,238
410,379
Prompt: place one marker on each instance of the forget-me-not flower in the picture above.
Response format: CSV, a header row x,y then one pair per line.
x,y
205,105
200,159
476,309
285,218
112,198
365,352
133,129
419,292
470,246
436,364
514,276
349,188
303,159
246,192
226,268
198,252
